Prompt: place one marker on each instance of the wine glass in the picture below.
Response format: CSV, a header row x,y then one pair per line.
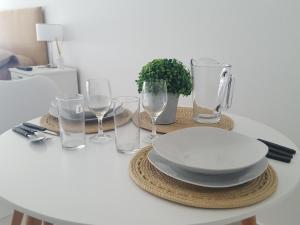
x,y
98,95
154,100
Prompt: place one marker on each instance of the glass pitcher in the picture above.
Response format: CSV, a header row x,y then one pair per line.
x,y
213,87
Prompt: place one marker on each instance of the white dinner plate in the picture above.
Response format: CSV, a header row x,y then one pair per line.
x,y
212,181
89,116
210,150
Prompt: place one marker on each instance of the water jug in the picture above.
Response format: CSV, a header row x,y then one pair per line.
x,y
213,86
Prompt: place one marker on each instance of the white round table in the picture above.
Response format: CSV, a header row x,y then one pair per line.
x,y
93,187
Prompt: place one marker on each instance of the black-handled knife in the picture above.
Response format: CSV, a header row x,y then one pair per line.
x,y
39,128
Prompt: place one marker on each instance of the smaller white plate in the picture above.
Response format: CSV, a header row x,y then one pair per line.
x,y
211,181
210,150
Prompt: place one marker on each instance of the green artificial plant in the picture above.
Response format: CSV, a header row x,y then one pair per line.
x,y
177,77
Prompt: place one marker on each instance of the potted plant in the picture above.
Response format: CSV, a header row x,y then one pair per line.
x,y
178,79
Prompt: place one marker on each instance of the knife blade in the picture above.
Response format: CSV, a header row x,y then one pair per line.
x,y
39,128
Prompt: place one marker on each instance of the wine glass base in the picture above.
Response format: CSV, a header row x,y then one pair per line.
x,y
150,138
104,138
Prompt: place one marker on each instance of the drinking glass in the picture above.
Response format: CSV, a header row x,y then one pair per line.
x,y
154,100
98,96
126,120
71,121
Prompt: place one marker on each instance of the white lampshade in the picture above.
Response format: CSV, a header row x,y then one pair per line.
x,y
49,32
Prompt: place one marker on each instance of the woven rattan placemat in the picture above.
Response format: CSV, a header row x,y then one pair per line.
x,y
51,123
152,180
184,119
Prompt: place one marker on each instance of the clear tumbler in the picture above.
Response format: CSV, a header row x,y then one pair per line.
x,y
71,121
126,119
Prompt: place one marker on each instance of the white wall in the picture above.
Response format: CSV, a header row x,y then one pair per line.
x,y
260,38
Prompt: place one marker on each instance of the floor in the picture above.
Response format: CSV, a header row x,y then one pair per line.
x,y
286,213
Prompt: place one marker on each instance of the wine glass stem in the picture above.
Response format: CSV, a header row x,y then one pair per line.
x,y
153,126
100,126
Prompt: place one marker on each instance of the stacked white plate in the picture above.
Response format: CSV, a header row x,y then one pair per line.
x,y
209,157
89,116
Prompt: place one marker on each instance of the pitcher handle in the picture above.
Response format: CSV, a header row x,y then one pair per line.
x,y
230,90
226,89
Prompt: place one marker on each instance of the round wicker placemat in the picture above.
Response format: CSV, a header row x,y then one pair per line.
x,y
51,123
184,119
152,180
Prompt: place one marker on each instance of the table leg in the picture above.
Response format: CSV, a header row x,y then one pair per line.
x,y
33,221
17,218
249,221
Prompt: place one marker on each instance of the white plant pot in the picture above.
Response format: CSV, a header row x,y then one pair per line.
x,y
168,116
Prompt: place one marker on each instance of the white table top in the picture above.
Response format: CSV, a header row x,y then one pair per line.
x,y
93,186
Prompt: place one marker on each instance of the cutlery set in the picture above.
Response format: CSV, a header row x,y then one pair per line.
x,y
30,135
33,132
278,152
